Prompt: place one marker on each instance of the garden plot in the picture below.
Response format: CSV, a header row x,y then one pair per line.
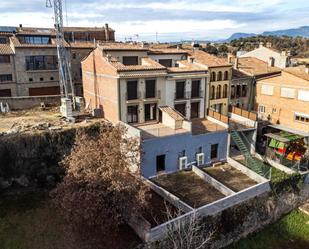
x,y
189,188
230,177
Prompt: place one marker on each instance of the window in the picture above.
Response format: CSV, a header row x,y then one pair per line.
x,y
212,92
5,93
48,62
195,89
150,112
150,88
35,39
166,62
214,151
262,109
244,91
219,76
132,90
180,89
195,110
218,92
238,91
74,56
30,79
130,60
51,78
267,90
225,91
132,114
3,40
233,93
6,77
302,117
303,95
41,79
213,76
181,108
5,59
287,92
226,75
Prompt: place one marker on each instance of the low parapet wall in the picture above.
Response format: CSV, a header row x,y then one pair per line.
x,y
28,102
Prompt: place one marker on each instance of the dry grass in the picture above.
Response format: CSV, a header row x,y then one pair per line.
x,y
190,188
230,177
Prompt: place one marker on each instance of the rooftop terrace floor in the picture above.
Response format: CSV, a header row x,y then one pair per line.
x,y
189,187
230,177
201,126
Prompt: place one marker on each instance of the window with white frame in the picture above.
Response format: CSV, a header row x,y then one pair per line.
x,y
303,95
287,92
301,117
267,90
262,109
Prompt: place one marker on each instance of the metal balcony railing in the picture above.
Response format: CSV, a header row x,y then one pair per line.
x,y
133,96
198,94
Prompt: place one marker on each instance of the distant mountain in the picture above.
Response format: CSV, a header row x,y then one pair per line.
x,y
301,31
236,36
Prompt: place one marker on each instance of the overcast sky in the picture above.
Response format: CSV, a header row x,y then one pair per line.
x,y
173,20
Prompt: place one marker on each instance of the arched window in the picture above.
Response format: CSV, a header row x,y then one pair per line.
x,y
226,75
218,94
220,76
213,76
212,93
225,91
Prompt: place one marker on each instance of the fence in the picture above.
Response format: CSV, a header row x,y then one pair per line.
x,y
244,113
218,116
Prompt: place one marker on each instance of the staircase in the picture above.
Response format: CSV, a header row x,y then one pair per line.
x,y
250,162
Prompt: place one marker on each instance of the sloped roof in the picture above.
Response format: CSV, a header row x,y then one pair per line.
x,y
208,59
5,49
116,46
298,72
172,113
159,51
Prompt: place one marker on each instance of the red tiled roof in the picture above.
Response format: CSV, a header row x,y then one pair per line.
x,y
298,71
208,59
155,51
122,46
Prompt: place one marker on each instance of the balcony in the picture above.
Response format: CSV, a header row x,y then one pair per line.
x,y
155,95
133,97
197,94
182,96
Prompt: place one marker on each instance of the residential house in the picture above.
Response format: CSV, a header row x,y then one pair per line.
x,y
160,96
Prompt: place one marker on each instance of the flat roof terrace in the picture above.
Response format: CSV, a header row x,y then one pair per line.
x,y
201,126
231,177
189,187
155,130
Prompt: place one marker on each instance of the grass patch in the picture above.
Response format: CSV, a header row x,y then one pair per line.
x,y
291,232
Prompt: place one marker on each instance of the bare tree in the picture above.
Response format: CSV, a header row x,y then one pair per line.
x,y
184,233
99,190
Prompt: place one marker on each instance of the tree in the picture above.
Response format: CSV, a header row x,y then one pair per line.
x,y
186,233
99,190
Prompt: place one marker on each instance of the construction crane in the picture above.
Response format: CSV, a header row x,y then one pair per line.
x,y
65,78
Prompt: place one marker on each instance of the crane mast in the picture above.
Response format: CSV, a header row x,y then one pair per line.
x,y
65,77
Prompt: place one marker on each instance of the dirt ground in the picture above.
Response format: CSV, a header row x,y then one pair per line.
x,y
190,188
230,177
34,119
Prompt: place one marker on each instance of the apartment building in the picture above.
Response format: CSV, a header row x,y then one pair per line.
x,y
246,72
161,95
28,58
279,59
220,71
284,99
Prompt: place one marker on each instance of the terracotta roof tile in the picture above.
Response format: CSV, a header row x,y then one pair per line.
x,y
298,71
82,45
147,64
185,66
208,59
255,67
172,113
122,46
5,49
155,51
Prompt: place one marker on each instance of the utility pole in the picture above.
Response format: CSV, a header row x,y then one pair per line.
x,y
65,78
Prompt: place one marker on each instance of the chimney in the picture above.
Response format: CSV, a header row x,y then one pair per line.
x,y
284,53
109,58
271,62
20,26
236,63
106,32
230,57
261,44
307,68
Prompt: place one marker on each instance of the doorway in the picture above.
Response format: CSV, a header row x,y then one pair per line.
x,y
160,163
